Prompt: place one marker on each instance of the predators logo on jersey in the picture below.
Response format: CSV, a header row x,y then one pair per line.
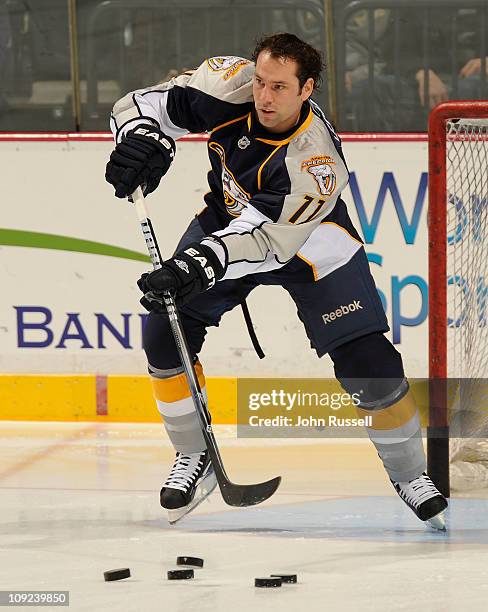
x,y
320,167
235,198
229,65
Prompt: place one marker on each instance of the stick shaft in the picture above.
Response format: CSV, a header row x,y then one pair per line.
x,y
178,333
232,493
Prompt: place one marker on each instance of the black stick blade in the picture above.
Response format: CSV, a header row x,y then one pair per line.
x,y
248,495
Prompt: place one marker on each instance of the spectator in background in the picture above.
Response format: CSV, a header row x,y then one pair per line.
x,y
404,90
385,102
443,85
357,47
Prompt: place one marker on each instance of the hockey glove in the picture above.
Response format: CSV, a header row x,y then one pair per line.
x,y
142,158
191,271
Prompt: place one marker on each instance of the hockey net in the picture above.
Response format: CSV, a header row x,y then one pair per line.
x,y
458,269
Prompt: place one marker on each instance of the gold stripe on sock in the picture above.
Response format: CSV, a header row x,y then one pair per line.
x,y
175,388
394,416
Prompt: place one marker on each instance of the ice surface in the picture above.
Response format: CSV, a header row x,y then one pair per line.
x,y
79,499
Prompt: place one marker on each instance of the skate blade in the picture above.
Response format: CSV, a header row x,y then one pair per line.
x,y
437,522
206,487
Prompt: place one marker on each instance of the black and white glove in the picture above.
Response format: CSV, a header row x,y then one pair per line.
x,y
191,271
142,158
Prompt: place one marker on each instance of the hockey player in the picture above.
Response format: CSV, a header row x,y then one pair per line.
x,y
274,216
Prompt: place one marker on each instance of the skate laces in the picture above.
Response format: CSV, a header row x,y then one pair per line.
x,y
417,491
185,470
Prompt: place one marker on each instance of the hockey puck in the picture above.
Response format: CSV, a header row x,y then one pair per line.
x,y
185,574
267,582
116,574
288,578
195,561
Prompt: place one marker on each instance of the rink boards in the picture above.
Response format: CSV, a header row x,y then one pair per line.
x,y
70,321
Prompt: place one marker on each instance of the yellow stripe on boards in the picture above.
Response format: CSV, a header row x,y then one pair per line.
x,y
52,397
131,399
47,397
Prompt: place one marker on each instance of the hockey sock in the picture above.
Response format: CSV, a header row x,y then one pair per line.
x,y
396,434
175,404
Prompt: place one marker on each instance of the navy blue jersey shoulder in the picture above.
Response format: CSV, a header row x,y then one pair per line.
x,y
198,111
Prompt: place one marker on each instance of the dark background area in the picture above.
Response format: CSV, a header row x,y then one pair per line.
x,y
393,60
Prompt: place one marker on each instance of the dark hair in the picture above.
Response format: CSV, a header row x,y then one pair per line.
x,y
285,45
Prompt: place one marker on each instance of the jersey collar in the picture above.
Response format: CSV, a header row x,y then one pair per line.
x,y
260,133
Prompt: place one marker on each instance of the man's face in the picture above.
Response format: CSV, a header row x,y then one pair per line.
x,y
276,90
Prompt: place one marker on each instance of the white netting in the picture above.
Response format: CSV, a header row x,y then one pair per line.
x,y
467,299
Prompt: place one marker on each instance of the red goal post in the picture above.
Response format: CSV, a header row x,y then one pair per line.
x,y
456,126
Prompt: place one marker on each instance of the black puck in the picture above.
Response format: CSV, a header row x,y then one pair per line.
x,y
267,582
180,574
195,561
116,574
288,578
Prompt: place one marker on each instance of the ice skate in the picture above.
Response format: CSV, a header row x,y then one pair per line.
x,y
191,480
422,496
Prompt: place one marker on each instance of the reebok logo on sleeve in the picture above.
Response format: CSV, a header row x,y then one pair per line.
x,y
342,311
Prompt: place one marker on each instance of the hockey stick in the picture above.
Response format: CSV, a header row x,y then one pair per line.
x,y
233,494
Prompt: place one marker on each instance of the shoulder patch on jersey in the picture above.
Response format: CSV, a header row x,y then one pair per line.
x,y
229,65
320,167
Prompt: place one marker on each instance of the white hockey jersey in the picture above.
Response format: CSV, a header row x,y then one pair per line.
x,y
274,200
